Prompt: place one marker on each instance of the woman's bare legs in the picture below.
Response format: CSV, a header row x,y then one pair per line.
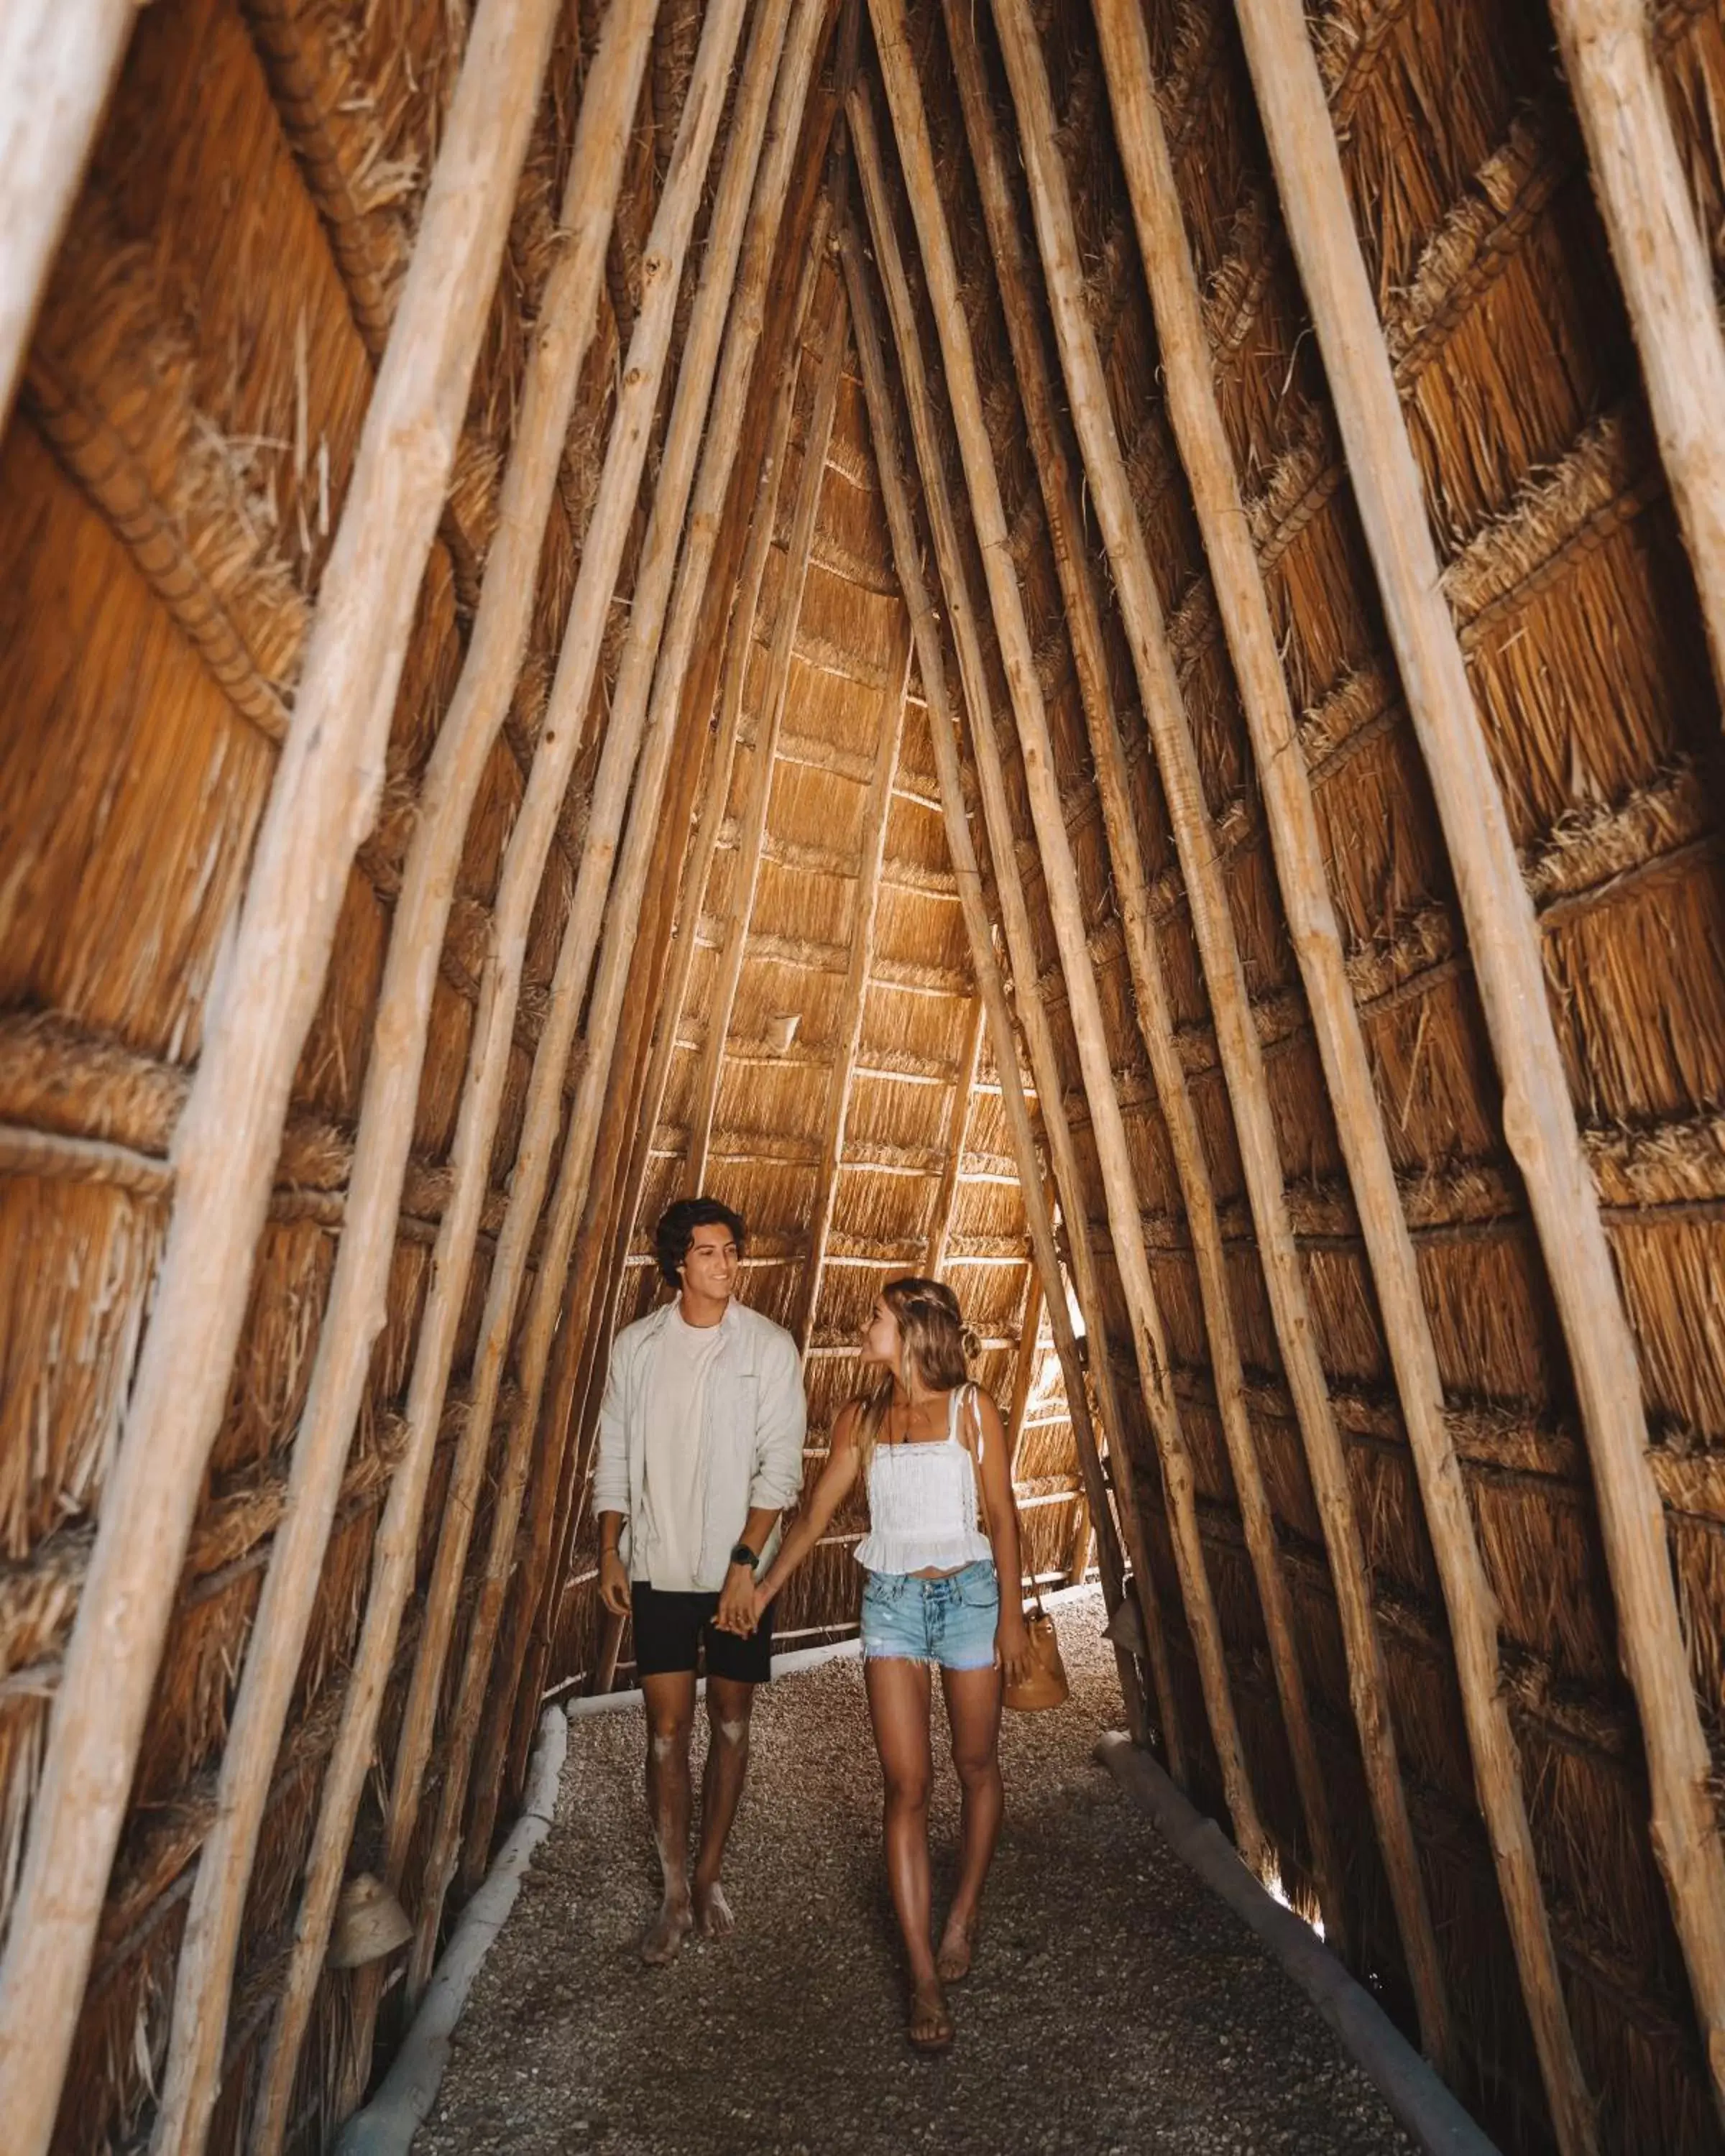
x,y
898,1704
973,1710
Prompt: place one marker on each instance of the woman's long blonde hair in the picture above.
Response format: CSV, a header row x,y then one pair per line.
x,y
934,1342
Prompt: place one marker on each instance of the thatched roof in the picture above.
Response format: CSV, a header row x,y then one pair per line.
x,y
1431,1613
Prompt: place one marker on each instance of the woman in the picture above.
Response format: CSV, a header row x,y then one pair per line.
x,y
923,1439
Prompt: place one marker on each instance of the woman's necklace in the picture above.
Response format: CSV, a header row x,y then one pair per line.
x,y
909,1410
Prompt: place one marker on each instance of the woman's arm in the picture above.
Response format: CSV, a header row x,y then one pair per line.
x,y
1012,1640
837,1479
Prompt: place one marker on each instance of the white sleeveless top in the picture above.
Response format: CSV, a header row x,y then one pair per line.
x,y
922,1510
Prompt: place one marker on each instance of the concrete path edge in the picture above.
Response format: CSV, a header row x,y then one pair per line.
x,y
388,2124
1422,2105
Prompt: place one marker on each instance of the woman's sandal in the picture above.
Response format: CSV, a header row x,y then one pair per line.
x,y
930,2025
954,1964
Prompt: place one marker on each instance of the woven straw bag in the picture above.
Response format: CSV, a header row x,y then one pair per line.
x,y
1045,1683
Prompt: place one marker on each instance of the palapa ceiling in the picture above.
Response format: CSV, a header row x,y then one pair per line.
x,y
911,701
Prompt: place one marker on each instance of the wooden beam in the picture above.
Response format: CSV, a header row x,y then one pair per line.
x,y
1312,931
768,719
530,840
1029,1329
1538,1115
1663,264
323,800
930,661
852,1003
566,1409
1020,942
1066,899
958,1115
523,870
1155,1012
544,1109
355,1309
739,643
59,63
759,430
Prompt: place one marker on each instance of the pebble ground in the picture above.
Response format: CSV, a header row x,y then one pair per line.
x,y
1117,2007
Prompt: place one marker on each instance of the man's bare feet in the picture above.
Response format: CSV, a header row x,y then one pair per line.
x,y
930,2028
714,1918
664,1938
958,1948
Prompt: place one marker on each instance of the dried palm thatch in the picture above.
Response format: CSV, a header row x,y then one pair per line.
x,y
786,1006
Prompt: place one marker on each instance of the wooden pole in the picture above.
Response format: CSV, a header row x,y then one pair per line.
x,y
946,1200
394,1552
1538,1116
58,62
1663,264
943,732
1237,1033
1015,917
355,1311
1155,1022
852,1003
752,824
1204,449
543,1115
1024,1372
763,517
260,1006
809,240
1066,902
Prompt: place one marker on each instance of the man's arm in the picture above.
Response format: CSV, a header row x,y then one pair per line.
x,y
778,1479
610,1492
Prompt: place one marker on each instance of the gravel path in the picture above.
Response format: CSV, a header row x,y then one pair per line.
x,y
1115,2007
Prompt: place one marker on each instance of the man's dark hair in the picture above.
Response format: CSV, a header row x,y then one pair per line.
x,y
676,1229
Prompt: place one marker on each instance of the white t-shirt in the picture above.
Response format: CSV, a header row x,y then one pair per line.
x,y
667,1553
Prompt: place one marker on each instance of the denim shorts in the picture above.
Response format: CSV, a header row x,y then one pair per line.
x,y
949,1621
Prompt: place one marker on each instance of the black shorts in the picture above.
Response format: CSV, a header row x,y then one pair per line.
x,y
670,1628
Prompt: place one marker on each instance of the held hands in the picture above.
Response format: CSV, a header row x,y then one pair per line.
x,y
614,1582
740,1604
1012,1644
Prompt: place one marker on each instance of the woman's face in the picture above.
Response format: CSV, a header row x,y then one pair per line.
x,y
881,1342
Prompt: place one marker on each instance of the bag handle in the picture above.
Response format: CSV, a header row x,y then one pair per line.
x,y
970,1404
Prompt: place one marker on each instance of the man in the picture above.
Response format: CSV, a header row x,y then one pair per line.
x,y
701,1450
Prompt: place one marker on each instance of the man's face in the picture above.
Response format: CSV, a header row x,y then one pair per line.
x,y
710,1267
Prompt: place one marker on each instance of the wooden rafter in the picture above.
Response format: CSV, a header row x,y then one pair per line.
x,y
58,59
355,1307
1061,883
769,719
555,1523
739,643
958,1115
1315,938
1539,1124
1237,1038
393,1568
1014,912
523,867
930,659
1663,263
321,803
1155,1013
647,612
852,1003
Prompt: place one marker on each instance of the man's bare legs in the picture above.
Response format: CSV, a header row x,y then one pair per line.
x,y
671,1717
898,1705
729,1702
973,1711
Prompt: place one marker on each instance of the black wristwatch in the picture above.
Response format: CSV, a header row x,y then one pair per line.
x,y
742,1554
